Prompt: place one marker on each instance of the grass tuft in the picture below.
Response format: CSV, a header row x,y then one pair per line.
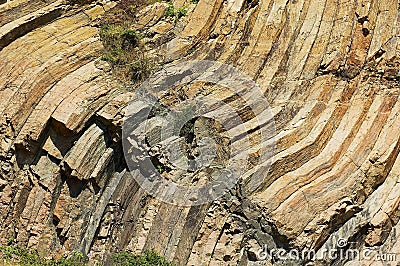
x,y
124,51
14,255
176,13
148,258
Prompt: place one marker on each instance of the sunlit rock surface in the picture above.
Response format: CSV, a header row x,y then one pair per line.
x,y
329,70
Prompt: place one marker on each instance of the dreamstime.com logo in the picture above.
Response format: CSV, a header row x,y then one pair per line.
x,y
166,148
338,253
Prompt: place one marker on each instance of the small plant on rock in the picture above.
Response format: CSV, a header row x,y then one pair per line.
x,y
124,51
175,13
18,256
148,258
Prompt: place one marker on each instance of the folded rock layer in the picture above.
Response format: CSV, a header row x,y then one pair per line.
x,y
329,70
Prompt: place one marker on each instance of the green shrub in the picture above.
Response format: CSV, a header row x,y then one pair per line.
x,y
117,38
181,12
175,13
160,168
15,255
123,50
25,257
148,258
170,11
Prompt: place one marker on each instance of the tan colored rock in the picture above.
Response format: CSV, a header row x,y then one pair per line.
x,y
328,69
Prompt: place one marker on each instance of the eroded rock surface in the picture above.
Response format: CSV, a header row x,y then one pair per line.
x,y
329,70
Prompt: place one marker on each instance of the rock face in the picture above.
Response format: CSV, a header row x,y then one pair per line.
x,y
329,70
